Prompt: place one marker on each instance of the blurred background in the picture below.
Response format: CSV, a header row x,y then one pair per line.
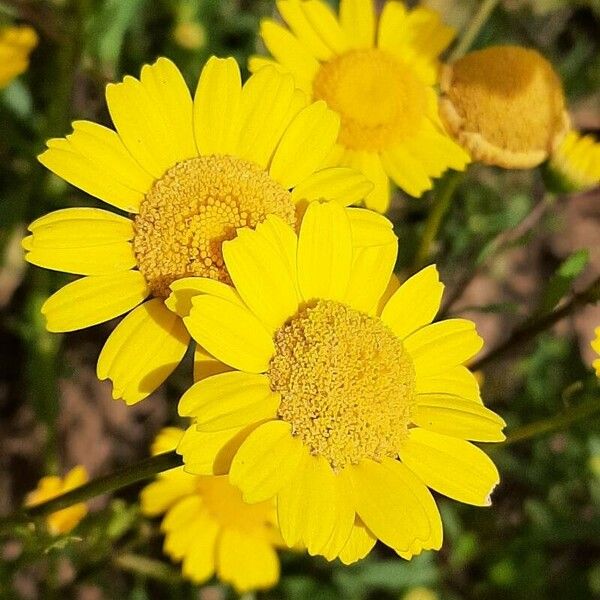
x,y
506,250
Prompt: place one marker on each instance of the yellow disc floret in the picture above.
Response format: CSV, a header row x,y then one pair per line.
x,y
379,98
193,208
346,383
505,104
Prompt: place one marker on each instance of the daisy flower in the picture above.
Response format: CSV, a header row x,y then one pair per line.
x,y
210,528
576,162
379,76
62,521
596,347
16,43
505,105
340,398
187,173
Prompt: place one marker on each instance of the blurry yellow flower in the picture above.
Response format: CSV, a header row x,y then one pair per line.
x,y
596,348
379,78
577,161
505,105
420,593
343,411
190,35
210,528
51,486
16,43
191,172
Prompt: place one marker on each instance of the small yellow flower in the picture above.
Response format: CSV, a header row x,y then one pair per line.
x,y
379,78
190,173
51,486
210,528
596,347
343,407
16,43
505,105
577,161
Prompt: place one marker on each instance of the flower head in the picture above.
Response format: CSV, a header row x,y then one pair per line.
x,y
16,43
210,528
62,521
339,398
379,78
576,162
505,105
190,173
596,347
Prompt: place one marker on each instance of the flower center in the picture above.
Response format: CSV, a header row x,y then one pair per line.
x,y
193,208
346,383
379,98
224,502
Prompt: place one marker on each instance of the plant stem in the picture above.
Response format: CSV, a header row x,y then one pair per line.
x,y
436,216
532,328
472,31
109,483
147,567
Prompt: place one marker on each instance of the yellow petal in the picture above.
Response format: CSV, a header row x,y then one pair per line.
x,y
358,545
391,502
325,23
392,23
262,277
458,381
358,21
266,461
143,351
406,171
370,228
231,333
154,116
185,289
338,184
305,511
324,252
267,99
182,513
200,559
229,400
217,107
167,440
247,562
372,268
370,165
256,63
295,17
415,304
289,52
435,348
455,416
161,494
305,144
450,466
211,453
426,34
206,365
94,300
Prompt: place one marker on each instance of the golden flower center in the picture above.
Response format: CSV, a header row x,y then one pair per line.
x,y
346,383
379,98
193,208
224,503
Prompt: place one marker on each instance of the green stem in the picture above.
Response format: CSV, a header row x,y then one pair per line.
x,y
147,567
472,31
144,469
571,415
436,216
532,328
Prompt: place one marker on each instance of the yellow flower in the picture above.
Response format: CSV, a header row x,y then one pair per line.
x,y
596,347
52,486
505,105
379,78
16,43
577,161
342,406
210,528
190,173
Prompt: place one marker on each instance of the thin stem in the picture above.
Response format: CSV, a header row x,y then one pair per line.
x,y
147,567
472,31
109,483
436,216
532,328
571,415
